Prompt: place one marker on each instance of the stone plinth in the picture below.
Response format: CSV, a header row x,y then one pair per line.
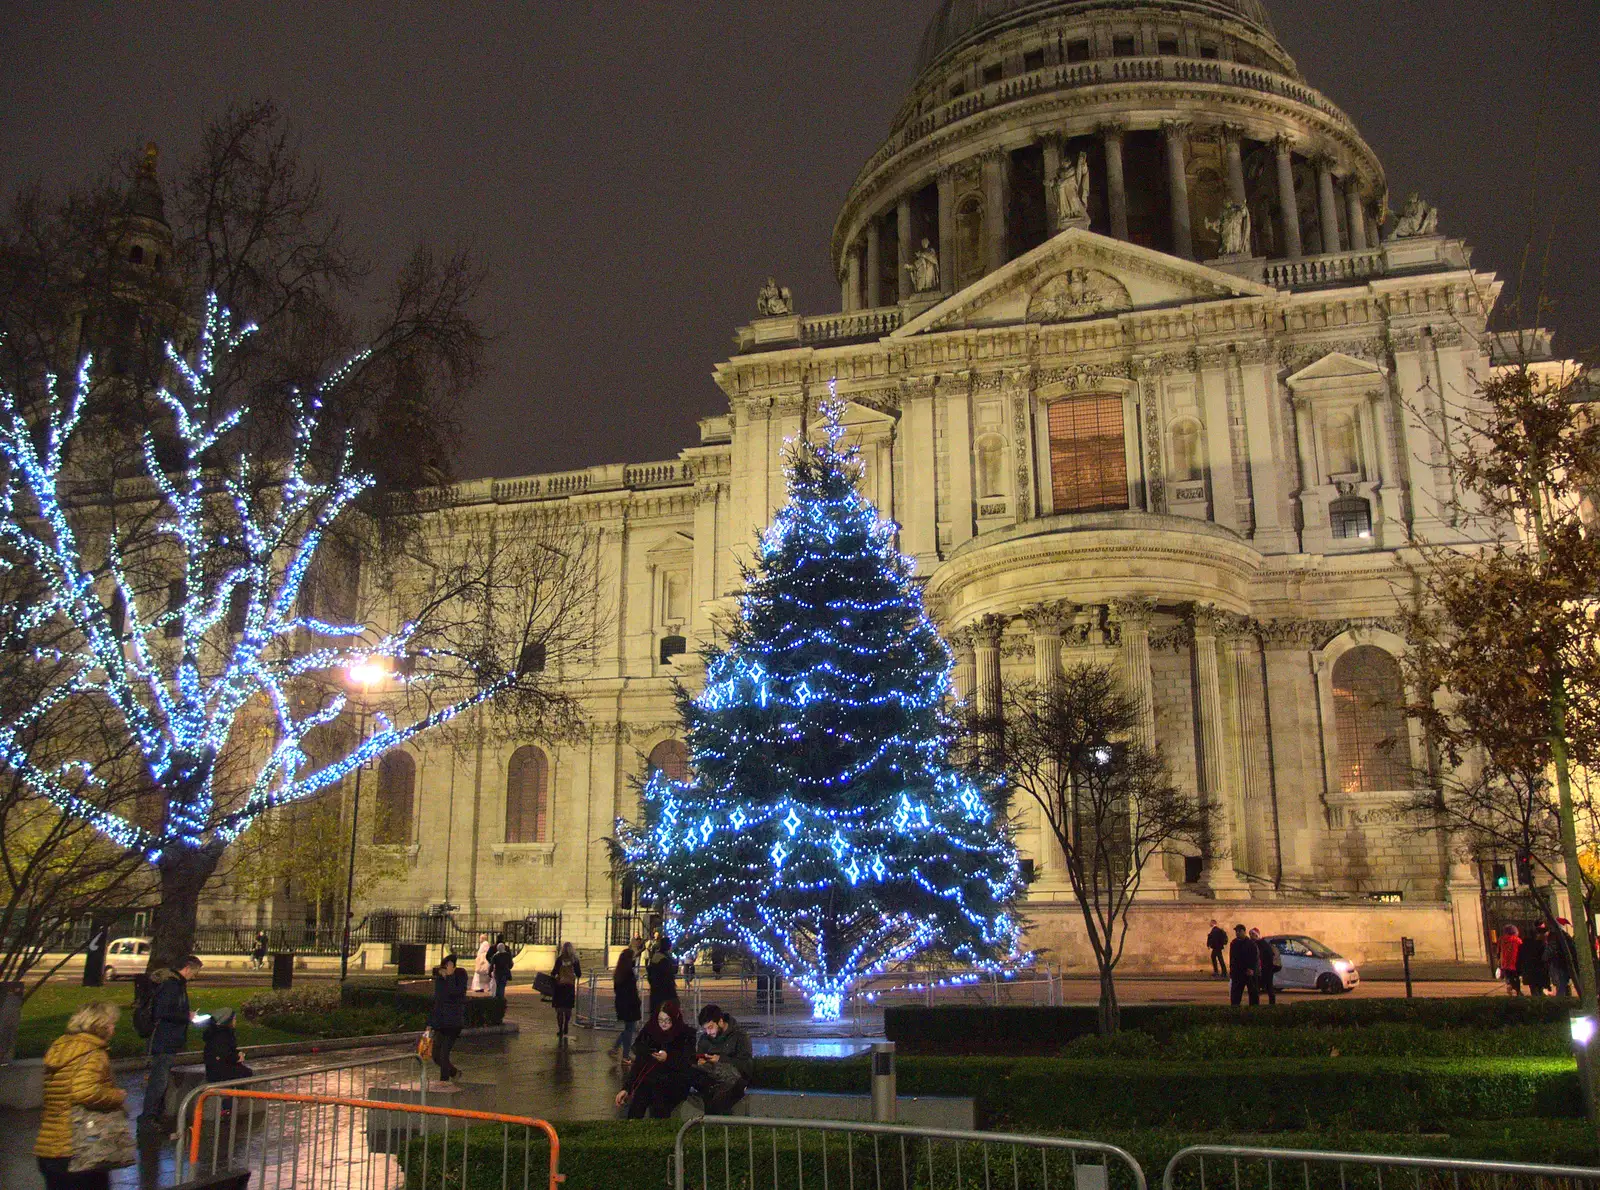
x,y
387,1132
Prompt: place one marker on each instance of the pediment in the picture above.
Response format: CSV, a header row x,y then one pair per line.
x,y
1081,275
1336,370
670,547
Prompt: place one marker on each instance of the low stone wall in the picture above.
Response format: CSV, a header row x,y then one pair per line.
x,y
1169,937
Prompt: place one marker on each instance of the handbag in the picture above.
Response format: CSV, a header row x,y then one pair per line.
x,y
544,983
425,1046
101,1140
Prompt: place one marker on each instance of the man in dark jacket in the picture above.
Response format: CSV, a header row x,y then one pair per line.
x,y
724,1061
1216,943
1270,965
500,962
172,1021
449,1013
1244,963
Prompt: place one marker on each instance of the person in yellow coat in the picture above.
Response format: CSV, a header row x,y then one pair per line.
x,y
77,1072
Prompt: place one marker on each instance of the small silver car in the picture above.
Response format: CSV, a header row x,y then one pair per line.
x,y
1309,964
127,956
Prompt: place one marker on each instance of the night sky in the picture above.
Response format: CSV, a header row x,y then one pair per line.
x,y
629,172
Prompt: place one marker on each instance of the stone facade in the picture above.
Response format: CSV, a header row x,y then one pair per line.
x,y
1210,467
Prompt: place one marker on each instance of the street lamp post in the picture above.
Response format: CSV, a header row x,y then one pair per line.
x,y
365,675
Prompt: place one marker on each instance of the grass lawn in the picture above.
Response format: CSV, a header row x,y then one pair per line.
x,y
45,1015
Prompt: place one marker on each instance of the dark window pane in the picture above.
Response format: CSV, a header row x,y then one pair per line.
x,y
1033,60
527,796
397,781
1078,51
1124,47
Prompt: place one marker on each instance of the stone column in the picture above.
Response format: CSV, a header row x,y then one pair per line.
x,y
1177,134
1133,617
1254,834
965,676
994,210
1288,204
852,280
1232,135
947,230
907,249
1052,166
1327,205
1049,621
1356,216
874,263
986,634
1116,184
1216,773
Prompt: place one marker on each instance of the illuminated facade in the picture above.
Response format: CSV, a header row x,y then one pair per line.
x,y
1146,376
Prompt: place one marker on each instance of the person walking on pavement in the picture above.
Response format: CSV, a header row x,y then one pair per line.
x,y
500,962
660,972
77,1073
625,986
480,967
449,1014
1271,964
1244,962
1560,955
1510,945
1216,943
566,974
170,1009
1532,961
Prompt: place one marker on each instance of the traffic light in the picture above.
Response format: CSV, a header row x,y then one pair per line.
x,y
1525,869
1502,879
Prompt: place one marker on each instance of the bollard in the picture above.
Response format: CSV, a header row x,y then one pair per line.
x,y
883,1090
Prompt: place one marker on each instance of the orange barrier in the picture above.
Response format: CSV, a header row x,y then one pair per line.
x,y
556,1176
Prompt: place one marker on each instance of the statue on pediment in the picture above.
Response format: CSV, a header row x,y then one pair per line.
x,y
1418,219
924,269
1233,229
774,300
1072,193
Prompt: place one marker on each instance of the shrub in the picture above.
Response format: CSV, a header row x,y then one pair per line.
x,y
414,1001
312,999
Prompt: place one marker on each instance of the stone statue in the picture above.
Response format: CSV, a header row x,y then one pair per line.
x,y
1233,228
774,300
924,269
1418,219
1072,193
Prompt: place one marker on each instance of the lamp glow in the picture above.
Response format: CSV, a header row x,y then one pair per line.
x,y
1583,1029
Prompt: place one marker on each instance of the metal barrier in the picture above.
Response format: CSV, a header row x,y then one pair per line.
x,y
321,1143
797,1153
1268,1169
347,1079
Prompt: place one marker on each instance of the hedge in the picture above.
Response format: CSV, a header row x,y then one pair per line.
x,y
1051,1094
598,1155
414,1002
1027,1029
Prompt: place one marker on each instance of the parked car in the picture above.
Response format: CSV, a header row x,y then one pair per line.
x,y
128,955
1309,964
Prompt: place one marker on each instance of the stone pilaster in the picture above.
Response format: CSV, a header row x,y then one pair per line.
x,y
1116,183
1255,782
1294,726
1177,138
1133,617
996,234
1288,204
1216,771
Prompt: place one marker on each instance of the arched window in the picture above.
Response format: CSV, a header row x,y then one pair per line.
x,y
1187,466
527,796
991,466
969,241
397,782
136,254
1366,705
670,758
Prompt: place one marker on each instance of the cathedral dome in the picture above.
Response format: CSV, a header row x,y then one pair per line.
x,y
959,21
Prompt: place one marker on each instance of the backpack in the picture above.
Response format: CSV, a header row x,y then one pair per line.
x,y
144,1006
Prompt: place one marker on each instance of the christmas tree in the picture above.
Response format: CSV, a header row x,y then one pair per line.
x,y
824,830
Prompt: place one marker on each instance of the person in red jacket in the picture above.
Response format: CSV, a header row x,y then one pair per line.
x,y
1510,946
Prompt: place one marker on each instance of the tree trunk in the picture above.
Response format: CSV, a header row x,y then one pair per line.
x,y
183,876
1110,1014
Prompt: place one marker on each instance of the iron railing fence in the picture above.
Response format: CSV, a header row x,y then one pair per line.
x,y
1226,1167
736,1152
339,1142
460,934
299,939
402,1073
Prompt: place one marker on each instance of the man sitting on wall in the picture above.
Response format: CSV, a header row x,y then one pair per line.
x,y
724,1061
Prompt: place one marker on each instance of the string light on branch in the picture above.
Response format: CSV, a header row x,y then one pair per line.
x,y
833,838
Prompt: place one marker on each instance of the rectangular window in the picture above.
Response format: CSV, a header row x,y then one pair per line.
x,y
1167,47
1123,46
1208,51
1033,60
1078,51
1350,519
1088,466
993,73
957,90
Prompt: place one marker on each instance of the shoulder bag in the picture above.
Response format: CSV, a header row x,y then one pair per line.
x,y
101,1140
